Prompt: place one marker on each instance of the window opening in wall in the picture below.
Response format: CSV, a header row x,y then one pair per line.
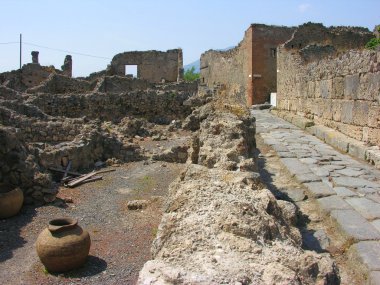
x,y
273,52
131,71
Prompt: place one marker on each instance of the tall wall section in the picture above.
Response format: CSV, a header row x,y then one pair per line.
x,y
326,75
248,71
265,40
229,68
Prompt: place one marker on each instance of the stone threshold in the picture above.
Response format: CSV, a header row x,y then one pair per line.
x,y
355,148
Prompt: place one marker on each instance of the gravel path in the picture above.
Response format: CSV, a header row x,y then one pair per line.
x,y
121,239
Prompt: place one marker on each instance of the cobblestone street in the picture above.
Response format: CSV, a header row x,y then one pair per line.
x,y
344,188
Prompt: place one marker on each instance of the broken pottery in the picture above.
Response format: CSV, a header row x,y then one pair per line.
x,y
11,203
63,245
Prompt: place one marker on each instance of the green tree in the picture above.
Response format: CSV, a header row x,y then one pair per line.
x,y
373,43
191,75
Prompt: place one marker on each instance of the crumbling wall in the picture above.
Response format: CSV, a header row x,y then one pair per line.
x,y
248,71
158,106
221,227
19,168
153,66
336,88
59,84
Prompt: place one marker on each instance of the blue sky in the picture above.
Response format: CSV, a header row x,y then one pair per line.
x,y
107,27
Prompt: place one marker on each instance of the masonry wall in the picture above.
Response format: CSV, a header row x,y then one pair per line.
x,y
156,105
338,90
153,66
248,72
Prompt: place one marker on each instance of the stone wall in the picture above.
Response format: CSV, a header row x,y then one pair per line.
x,y
153,66
336,88
248,71
156,105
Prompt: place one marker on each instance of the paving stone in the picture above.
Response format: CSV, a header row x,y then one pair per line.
x,y
374,197
374,278
295,166
320,171
270,141
350,172
308,177
333,203
309,160
353,182
279,147
367,208
376,224
367,190
288,154
320,189
354,225
369,253
295,194
333,167
344,192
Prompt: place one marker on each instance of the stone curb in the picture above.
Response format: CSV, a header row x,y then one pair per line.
x,y
357,149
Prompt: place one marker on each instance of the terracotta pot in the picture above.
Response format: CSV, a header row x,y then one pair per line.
x,y
11,203
63,245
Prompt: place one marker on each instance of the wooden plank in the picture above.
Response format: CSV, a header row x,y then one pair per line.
x,y
105,171
93,178
80,179
63,171
67,169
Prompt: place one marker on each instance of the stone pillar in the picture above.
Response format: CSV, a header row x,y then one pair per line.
x,y
377,31
67,66
180,65
35,57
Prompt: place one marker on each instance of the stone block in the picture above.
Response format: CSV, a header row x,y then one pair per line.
x,y
354,225
333,203
360,113
357,149
374,136
351,86
347,112
320,189
338,87
325,88
353,182
301,122
295,166
374,278
367,208
373,156
307,177
344,192
336,106
368,253
376,224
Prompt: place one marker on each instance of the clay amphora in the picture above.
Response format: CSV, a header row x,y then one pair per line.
x,y
11,203
63,245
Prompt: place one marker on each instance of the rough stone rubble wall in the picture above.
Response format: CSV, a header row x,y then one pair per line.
x,y
341,92
153,104
221,227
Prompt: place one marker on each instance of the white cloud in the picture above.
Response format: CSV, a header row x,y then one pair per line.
x,y
302,8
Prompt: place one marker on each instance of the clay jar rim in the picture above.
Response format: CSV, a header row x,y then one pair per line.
x,y
61,224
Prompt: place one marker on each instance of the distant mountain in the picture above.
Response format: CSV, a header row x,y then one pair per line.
x,y
197,63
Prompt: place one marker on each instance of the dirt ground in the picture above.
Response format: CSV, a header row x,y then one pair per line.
x,y
121,238
281,183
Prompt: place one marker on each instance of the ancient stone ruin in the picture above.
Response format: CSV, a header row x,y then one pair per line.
x,y
221,224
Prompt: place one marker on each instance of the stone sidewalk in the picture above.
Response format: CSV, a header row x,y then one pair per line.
x,y
345,189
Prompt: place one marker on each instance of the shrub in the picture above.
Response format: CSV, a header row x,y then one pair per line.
x,y
190,75
373,43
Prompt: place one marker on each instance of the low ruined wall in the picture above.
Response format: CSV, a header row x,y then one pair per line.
x,y
158,106
338,91
36,126
59,84
216,219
